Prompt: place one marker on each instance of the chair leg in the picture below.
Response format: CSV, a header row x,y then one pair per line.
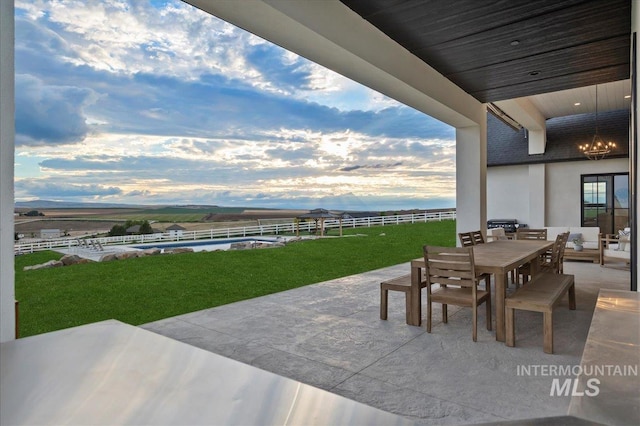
x,y
444,314
384,295
429,316
516,278
489,319
475,322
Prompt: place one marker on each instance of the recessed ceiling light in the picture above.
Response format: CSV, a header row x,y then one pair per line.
x,y
534,73
627,96
577,104
515,42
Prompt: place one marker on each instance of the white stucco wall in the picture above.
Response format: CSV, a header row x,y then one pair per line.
x,y
537,195
510,190
507,193
471,160
563,187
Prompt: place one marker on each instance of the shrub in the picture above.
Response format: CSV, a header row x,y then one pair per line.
x,y
117,231
145,228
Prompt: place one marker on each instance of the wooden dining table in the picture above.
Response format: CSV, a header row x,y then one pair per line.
x,y
496,258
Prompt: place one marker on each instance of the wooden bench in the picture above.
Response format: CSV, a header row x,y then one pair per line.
x,y
403,284
541,294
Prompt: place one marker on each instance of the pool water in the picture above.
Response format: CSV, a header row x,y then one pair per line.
x,y
205,245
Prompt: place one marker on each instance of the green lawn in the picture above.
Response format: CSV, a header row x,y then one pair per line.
x,y
141,290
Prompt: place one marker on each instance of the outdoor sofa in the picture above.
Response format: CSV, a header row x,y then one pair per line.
x,y
616,248
590,235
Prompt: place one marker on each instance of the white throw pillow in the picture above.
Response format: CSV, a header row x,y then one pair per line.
x,y
623,240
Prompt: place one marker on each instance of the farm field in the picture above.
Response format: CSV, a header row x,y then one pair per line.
x,y
73,227
78,222
159,214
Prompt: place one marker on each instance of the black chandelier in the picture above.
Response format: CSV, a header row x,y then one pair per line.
x,y
598,148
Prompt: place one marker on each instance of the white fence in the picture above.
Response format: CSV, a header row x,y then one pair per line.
x,y
258,230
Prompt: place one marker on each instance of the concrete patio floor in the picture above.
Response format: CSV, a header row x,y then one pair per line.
x,y
330,335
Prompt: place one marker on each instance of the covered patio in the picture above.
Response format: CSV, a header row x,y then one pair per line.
x,y
451,61
330,335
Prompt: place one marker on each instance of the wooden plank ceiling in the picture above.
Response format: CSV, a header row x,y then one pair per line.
x,y
504,49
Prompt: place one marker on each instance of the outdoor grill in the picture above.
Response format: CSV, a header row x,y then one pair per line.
x,y
509,225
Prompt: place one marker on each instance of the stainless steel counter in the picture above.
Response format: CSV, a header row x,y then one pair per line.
x,y
611,395
113,373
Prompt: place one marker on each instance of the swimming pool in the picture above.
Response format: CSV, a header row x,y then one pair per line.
x,y
206,245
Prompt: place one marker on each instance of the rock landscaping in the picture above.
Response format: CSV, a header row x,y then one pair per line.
x,y
73,259
66,260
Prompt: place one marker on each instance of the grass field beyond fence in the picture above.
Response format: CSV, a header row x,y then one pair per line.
x,y
137,291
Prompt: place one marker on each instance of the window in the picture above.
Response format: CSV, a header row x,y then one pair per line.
x,y
605,201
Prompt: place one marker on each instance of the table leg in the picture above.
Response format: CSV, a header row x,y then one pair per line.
x,y
501,290
416,302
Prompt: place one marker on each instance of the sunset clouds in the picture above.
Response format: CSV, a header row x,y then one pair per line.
x,y
158,102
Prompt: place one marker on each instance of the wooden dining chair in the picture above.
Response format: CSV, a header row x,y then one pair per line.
x,y
477,237
498,234
452,269
527,234
563,246
550,261
495,234
466,239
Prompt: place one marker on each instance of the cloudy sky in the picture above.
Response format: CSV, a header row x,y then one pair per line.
x,y
156,102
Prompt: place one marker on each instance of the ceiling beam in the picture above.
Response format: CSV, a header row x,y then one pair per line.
x,y
332,35
525,112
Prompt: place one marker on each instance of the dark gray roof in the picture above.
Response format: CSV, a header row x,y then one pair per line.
x,y
318,214
506,146
175,227
134,229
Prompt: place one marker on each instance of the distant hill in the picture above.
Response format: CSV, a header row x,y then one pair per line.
x,y
49,204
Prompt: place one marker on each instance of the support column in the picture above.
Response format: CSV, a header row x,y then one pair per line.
x,y
537,141
7,136
537,195
471,176
634,155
